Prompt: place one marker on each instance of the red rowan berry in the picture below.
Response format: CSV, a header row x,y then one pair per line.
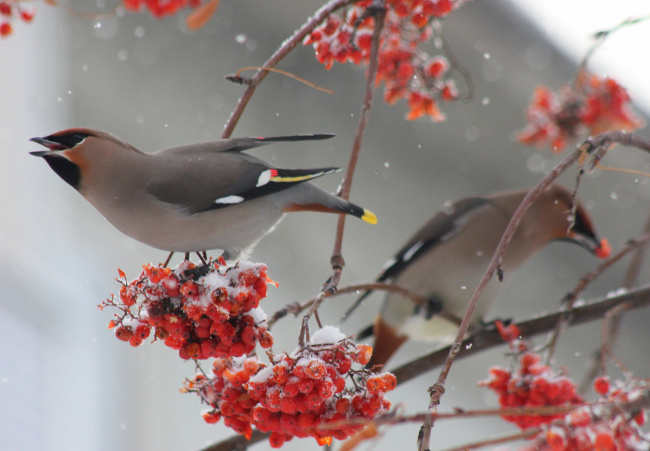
x,y
601,385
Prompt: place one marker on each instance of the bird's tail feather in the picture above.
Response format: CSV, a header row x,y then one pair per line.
x,y
304,137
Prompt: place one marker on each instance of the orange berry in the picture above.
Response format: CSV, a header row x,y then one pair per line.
x,y
363,354
605,442
211,417
124,333
389,380
315,369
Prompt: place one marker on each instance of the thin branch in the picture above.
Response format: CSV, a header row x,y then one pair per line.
x,y
605,339
337,262
296,308
631,279
572,296
489,337
286,47
523,435
600,36
632,275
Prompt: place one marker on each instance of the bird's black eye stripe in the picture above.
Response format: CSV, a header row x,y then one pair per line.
x,y
69,140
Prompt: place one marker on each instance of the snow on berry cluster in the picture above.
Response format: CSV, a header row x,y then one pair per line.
x,y
531,385
590,105
160,8
10,10
587,429
201,311
406,70
298,395
226,394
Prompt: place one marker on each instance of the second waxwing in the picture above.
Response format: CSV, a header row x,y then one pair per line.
x,y
191,198
445,259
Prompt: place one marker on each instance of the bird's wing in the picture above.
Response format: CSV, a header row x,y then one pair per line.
x,y
239,144
197,181
441,227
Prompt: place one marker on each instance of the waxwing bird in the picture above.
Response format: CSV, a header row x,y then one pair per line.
x,y
190,198
447,257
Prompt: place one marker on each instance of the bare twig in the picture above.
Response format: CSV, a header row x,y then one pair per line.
x,y
572,296
606,336
296,308
600,36
632,275
286,47
523,435
631,278
336,260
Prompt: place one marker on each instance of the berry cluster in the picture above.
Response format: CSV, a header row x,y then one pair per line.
x,y
160,8
299,395
586,428
406,70
10,10
532,385
592,104
202,311
226,394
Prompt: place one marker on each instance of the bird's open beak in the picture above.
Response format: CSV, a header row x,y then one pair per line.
x,y
52,145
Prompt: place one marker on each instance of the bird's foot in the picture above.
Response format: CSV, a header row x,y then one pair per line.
x,y
431,306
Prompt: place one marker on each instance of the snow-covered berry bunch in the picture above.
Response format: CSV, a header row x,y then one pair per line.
x,y
202,311
531,385
405,68
597,427
226,394
305,394
591,105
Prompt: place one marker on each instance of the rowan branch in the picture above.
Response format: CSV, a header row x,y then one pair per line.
x,y
489,337
286,47
379,14
296,308
571,298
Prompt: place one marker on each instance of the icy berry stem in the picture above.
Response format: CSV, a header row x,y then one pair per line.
x,y
598,145
379,14
296,308
286,47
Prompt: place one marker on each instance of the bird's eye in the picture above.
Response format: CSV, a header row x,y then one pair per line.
x,y
77,139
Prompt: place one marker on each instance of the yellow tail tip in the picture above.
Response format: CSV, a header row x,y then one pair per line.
x,y
369,217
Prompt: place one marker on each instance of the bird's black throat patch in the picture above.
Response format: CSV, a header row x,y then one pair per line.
x,y
65,169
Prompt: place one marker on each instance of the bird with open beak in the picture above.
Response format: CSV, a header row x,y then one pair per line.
x,y
191,198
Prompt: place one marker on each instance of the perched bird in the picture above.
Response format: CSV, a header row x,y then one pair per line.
x,y
447,257
190,198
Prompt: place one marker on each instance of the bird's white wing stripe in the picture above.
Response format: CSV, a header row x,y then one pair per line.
x,y
412,250
229,200
264,178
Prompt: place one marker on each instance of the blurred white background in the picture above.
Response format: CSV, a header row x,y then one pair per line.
x,y
67,384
